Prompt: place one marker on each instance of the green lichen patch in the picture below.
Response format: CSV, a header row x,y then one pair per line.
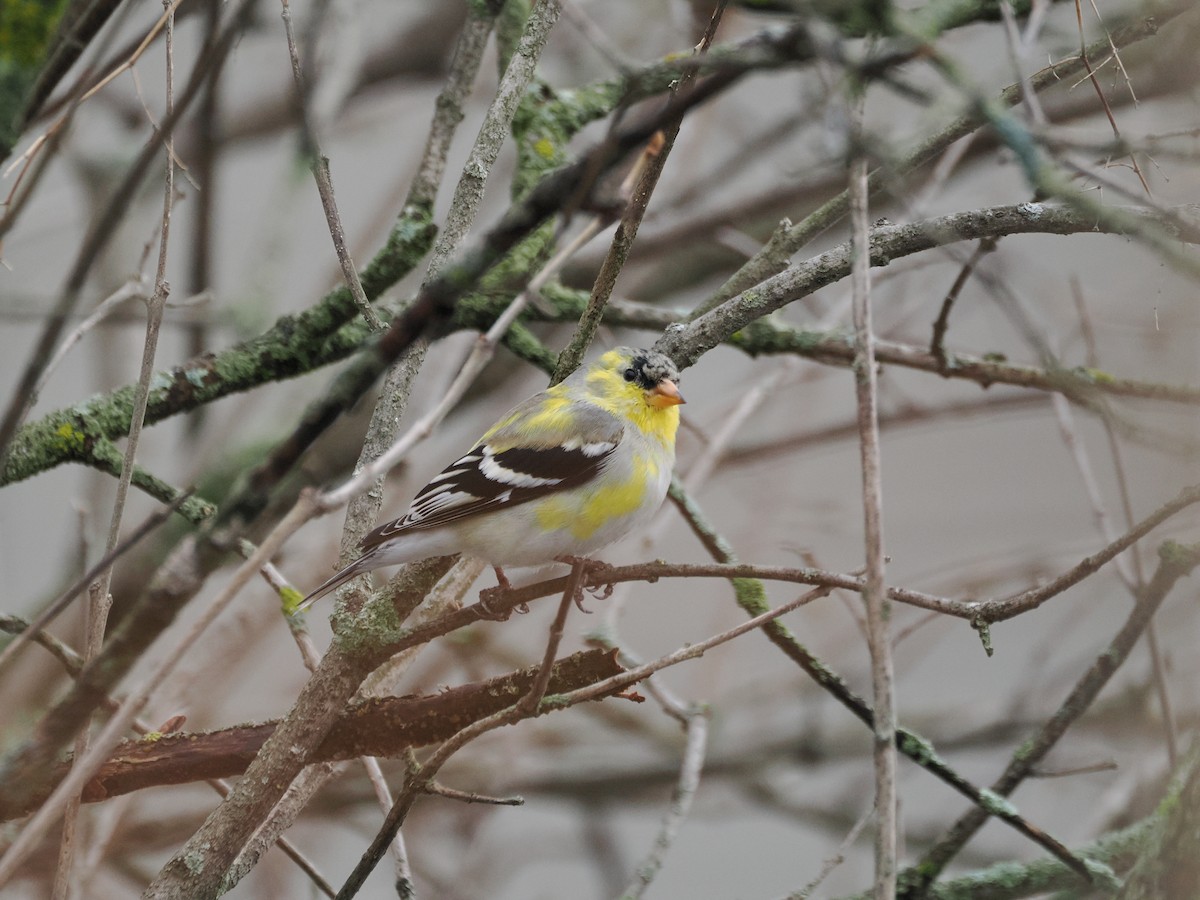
x,y
996,805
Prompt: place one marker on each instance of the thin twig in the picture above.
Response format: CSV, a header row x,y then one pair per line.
x,y
875,591
525,707
998,610
133,289
900,417
319,165
692,763
154,313
101,230
440,790
399,851
641,182
1018,47
115,728
937,344
1175,562
639,185
1095,82
1135,579
834,861
528,704
104,832
37,627
597,37
71,661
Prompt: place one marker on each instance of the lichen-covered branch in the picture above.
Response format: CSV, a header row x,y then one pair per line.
x,y
1168,865
1014,880
687,343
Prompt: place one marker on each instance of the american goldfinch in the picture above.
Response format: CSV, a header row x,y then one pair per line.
x,y
569,471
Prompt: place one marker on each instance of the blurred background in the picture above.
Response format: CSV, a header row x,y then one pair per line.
x,y
986,491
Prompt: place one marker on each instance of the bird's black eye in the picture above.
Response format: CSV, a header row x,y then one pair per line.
x,y
630,374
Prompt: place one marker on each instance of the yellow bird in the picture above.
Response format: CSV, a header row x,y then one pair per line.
x,y
564,474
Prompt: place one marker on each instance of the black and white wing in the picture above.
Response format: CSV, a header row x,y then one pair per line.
x,y
525,457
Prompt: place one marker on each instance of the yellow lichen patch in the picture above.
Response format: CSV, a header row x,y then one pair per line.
x,y
290,598
1099,376
544,148
70,438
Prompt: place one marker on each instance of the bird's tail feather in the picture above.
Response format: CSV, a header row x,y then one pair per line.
x,y
360,565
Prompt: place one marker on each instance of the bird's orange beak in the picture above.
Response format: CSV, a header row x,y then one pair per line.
x,y
664,394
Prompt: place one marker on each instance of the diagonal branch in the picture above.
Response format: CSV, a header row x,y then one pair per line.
x,y
1175,561
102,231
685,344
752,599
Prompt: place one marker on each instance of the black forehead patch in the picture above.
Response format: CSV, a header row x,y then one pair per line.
x,y
651,368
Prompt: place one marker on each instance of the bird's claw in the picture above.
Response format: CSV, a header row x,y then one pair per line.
x,y
489,612
585,566
488,596
601,591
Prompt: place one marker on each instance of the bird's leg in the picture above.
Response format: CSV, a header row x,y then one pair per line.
x,y
582,565
502,587
502,579
594,567
506,585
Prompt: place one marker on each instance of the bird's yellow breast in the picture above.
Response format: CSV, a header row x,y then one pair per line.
x,y
585,513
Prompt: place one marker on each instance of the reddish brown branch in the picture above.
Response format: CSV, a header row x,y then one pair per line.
x,y
377,727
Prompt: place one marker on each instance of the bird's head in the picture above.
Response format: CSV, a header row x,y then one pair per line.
x,y
643,384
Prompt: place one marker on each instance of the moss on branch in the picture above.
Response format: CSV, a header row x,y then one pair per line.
x,y
293,346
